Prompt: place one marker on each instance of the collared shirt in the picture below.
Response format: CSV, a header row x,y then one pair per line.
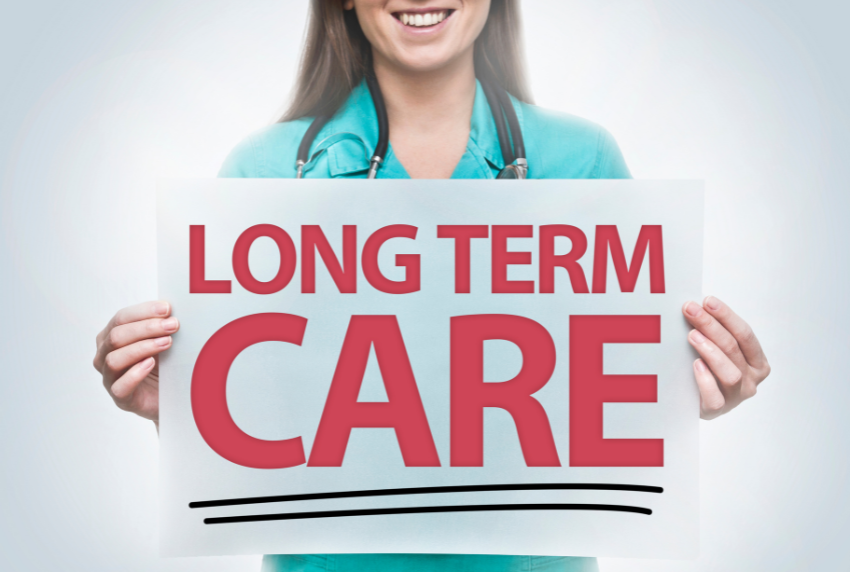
x,y
558,146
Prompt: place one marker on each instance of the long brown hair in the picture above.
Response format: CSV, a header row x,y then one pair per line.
x,y
337,55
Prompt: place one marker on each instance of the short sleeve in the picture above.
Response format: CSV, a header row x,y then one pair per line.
x,y
610,163
241,162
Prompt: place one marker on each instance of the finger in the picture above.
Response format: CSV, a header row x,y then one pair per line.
x,y
726,372
121,336
119,360
143,311
714,331
742,331
122,390
711,400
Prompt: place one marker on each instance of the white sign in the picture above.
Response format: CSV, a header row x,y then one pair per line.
x,y
482,367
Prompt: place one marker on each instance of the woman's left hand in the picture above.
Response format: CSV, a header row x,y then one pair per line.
x,y
731,363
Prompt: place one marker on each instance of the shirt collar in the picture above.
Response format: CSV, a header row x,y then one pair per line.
x,y
482,130
358,120
356,117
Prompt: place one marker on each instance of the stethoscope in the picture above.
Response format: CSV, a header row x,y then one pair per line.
x,y
500,106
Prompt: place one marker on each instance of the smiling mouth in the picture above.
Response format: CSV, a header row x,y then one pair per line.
x,y
422,19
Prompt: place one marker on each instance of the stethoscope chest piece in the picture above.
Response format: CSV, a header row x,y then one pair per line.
x,y
518,170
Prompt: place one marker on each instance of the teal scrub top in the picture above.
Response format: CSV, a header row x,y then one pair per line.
x,y
558,146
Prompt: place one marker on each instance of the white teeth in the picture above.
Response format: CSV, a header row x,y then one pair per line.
x,y
419,20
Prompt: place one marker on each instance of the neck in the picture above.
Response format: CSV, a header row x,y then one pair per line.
x,y
427,100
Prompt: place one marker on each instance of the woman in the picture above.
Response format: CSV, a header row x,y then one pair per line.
x,y
425,55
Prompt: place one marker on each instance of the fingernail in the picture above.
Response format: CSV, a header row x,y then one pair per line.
x,y
160,308
163,342
170,325
712,303
146,364
700,366
692,309
697,337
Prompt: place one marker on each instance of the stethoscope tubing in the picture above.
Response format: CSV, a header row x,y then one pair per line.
x,y
513,122
516,165
383,125
499,119
307,141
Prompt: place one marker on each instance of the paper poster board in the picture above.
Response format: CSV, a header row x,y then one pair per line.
x,y
485,367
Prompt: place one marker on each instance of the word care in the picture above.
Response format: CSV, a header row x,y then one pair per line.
x,y
429,366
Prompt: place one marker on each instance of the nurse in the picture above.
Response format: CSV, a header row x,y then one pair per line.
x,y
426,56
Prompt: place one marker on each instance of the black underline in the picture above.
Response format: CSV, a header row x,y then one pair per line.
x,y
423,509
428,490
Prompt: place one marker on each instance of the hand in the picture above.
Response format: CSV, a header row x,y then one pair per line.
x,y
731,363
126,356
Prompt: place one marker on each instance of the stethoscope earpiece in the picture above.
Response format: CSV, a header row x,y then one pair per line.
x,y
516,165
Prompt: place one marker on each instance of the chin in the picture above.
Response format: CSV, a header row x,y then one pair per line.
x,y
429,61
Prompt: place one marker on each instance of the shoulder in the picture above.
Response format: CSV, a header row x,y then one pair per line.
x,y
265,153
564,146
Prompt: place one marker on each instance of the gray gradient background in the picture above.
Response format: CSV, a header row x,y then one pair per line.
x,y
98,99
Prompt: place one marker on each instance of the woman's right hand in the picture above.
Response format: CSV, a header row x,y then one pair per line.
x,y
127,350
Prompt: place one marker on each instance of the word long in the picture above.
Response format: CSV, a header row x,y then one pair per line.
x,y
344,271
469,393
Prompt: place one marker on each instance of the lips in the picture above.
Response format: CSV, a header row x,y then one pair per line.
x,y
423,19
